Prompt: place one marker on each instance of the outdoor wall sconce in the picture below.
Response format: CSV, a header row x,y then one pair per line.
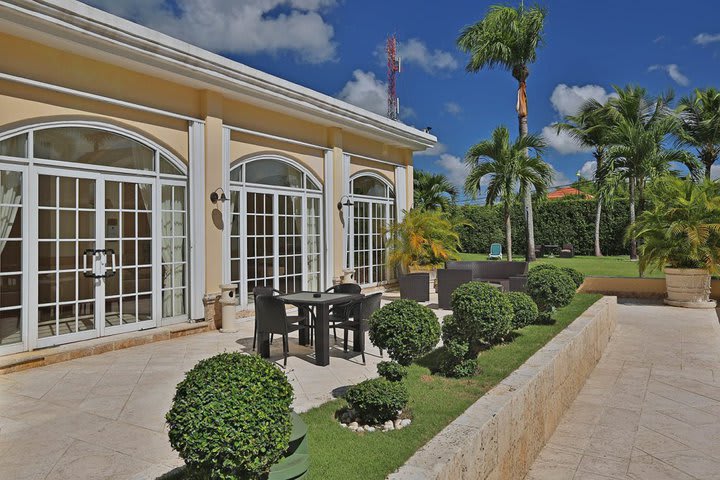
x,y
347,203
214,197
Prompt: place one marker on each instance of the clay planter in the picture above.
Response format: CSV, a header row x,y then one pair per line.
x,y
688,287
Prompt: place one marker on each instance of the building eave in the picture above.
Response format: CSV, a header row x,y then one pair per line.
x,y
117,40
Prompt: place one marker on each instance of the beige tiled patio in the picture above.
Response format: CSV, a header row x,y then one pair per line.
x,y
651,408
102,417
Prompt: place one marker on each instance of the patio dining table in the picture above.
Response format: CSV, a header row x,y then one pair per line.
x,y
322,302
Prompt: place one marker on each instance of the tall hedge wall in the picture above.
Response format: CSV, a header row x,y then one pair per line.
x,y
556,222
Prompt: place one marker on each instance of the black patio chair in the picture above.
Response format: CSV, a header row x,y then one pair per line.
x,y
257,291
357,320
339,311
272,318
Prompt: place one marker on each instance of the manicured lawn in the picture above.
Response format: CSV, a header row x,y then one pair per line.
x,y
434,401
619,266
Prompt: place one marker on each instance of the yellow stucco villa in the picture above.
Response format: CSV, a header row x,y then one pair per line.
x,y
138,173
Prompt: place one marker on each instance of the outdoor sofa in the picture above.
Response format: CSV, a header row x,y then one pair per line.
x,y
509,276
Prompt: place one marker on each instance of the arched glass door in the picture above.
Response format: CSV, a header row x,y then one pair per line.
x,y
101,261
373,210
276,229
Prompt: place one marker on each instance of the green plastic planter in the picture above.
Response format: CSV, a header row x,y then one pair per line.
x,y
296,462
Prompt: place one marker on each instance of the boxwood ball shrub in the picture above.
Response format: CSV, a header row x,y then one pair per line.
x,y
230,417
525,311
482,311
577,276
377,400
392,371
550,288
406,329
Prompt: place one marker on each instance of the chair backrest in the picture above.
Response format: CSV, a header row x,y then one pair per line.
x,y
270,314
495,249
369,304
345,288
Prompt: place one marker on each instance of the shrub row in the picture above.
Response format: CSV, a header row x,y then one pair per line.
x,y
556,222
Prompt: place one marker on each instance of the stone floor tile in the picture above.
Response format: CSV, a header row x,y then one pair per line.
x,y
647,467
604,465
87,460
692,463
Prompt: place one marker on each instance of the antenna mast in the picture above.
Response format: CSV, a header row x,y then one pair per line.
x,y
393,66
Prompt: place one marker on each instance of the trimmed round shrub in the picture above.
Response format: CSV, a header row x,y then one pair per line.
x,y
550,288
482,312
230,417
392,371
525,311
406,329
577,276
377,400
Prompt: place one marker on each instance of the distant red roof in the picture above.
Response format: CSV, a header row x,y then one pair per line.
x,y
568,192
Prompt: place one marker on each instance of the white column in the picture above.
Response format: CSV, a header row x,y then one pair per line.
x,y
348,214
329,210
400,192
197,221
227,216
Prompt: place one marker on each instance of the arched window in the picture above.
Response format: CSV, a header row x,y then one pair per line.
x,y
100,190
276,226
373,210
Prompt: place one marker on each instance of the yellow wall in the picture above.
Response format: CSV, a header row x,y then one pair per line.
x,y
25,105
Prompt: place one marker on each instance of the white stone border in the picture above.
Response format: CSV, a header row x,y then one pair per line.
x,y
500,435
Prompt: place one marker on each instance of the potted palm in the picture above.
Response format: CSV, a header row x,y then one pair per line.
x,y
422,241
680,233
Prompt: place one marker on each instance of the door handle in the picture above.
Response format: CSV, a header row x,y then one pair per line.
x,y
111,253
90,273
95,252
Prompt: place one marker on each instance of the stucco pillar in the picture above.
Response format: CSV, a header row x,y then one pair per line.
x,y
212,108
339,188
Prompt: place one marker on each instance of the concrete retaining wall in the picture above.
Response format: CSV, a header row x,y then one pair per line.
x,y
500,435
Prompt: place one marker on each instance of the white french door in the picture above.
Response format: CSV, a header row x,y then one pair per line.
x,y
94,269
367,239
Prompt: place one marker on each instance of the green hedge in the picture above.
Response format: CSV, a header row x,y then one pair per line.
x,y
556,222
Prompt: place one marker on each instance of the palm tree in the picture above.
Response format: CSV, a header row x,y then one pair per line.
x,y
590,127
508,37
510,169
433,191
700,127
641,126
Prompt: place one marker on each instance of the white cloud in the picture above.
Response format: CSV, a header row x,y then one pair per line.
x,y
659,39
673,72
588,169
366,91
707,38
238,27
567,100
415,52
562,142
436,150
452,108
454,169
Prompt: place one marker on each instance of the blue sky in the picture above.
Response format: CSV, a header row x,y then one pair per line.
x,y
332,46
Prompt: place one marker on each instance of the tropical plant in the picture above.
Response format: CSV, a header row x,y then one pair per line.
x,y
509,168
433,191
682,229
590,127
640,127
424,238
508,38
700,125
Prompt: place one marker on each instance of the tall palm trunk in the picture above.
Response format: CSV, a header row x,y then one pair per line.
x,y
598,210
633,242
508,230
527,200
708,170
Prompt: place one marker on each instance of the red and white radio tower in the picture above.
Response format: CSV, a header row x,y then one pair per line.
x,y
393,66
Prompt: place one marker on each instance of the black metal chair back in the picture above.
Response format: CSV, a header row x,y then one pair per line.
x,y
271,315
369,305
345,288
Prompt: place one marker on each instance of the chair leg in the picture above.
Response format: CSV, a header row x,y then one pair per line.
x,y
254,335
285,350
346,340
271,338
335,334
363,356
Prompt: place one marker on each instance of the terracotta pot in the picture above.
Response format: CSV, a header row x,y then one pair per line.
x,y
688,287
